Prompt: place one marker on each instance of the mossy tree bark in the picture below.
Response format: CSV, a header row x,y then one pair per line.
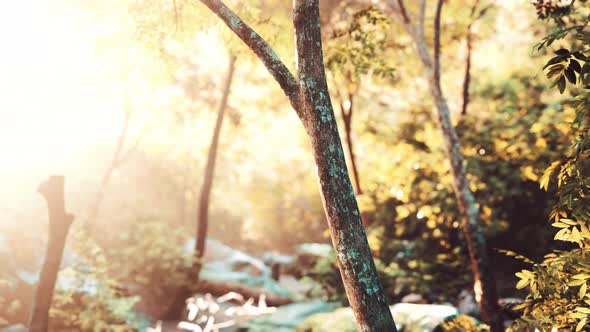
x,y
59,224
484,282
309,96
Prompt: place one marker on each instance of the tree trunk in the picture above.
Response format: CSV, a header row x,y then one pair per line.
x,y
59,223
310,98
187,291
347,118
357,268
203,212
467,78
485,284
117,159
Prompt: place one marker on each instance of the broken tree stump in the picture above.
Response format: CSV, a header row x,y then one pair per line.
x,y
59,224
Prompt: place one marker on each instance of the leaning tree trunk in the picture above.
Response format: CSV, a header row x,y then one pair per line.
x,y
357,268
310,98
203,213
467,77
484,282
347,118
59,224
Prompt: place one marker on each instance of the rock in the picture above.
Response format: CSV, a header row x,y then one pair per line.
x,y
466,303
226,264
316,249
288,317
409,317
217,253
414,298
15,328
420,317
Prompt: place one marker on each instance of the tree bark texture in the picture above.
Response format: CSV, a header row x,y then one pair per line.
x,y
59,224
484,282
358,271
309,96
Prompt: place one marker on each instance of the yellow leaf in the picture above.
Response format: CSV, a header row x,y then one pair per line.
x,y
577,315
582,291
581,276
581,324
583,309
576,235
576,282
522,283
568,221
561,234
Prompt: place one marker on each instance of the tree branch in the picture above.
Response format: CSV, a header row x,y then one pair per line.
x,y
437,42
421,18
260,47
403,12
474,8
467,78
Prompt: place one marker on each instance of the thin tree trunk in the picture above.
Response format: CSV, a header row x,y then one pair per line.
x,y
347,118
59,224
117,159
310,99
484,282
177,306
467,78
203,212
93,213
